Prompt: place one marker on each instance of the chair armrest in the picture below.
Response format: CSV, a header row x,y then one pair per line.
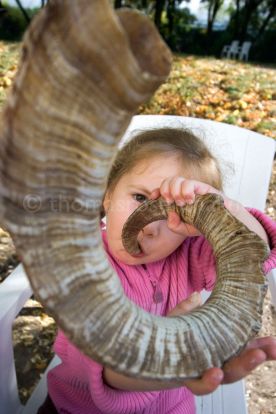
x,y
227,399
271,278
14,292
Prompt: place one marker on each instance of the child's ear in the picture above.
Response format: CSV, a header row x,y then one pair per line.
x,y
106,202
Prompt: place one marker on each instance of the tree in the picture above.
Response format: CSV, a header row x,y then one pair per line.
x,y
25,14
118,4
3,11
139,4
213,8
156,9
250,6
159,7
236,19
270,9
251,14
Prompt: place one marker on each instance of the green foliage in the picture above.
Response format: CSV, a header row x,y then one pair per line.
x,y
13,24
182,23
264,49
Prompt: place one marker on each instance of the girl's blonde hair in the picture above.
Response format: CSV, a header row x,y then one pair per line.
x,y
198,161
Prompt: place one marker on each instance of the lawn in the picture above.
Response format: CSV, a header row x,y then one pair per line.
x,y
228,91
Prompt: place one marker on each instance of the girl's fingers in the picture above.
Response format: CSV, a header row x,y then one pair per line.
x,y
155,194
190,188
180,190
187,305
258,351
176,190
175,224
168,188
242,365
208,383
183,191
266,343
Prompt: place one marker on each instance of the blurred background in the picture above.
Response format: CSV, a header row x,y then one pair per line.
x,y
196,26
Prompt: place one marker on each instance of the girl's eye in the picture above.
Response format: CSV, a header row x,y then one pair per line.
x,y
140,198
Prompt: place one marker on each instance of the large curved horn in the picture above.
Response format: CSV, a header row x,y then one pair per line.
x,y
83,74
233,312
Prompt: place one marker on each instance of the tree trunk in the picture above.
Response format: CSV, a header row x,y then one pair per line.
x,y
170,15
249,8
159,7
25,14
213,9
117,4
237,19
271,13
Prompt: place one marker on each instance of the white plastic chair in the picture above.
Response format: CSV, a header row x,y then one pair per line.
x,y
252,156
244,51
230,51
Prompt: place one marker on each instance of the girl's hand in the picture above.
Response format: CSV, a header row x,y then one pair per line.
x,y
256,352
187,305
181,191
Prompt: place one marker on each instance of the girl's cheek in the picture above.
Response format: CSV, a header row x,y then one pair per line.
x,y
131,205
119,206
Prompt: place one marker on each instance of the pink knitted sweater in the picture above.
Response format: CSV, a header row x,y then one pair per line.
x,y
76,386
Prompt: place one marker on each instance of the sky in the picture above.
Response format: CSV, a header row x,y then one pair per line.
x,y
194,4
26,3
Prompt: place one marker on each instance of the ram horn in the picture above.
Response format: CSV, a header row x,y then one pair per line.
x,y
233,313
83,74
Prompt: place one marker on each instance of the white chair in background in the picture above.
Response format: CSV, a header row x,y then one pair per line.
x,y
230,51
244,51
251,154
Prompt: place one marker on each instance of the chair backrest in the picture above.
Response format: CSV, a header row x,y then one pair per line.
x,y
246,156
244,52
234,46
233,49
246,46
228,50
250,153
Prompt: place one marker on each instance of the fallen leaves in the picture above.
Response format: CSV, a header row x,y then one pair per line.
x,y
9,54
225,91
8,258
222,90
33,335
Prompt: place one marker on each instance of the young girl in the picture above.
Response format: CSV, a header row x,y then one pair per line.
x,y
176,263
